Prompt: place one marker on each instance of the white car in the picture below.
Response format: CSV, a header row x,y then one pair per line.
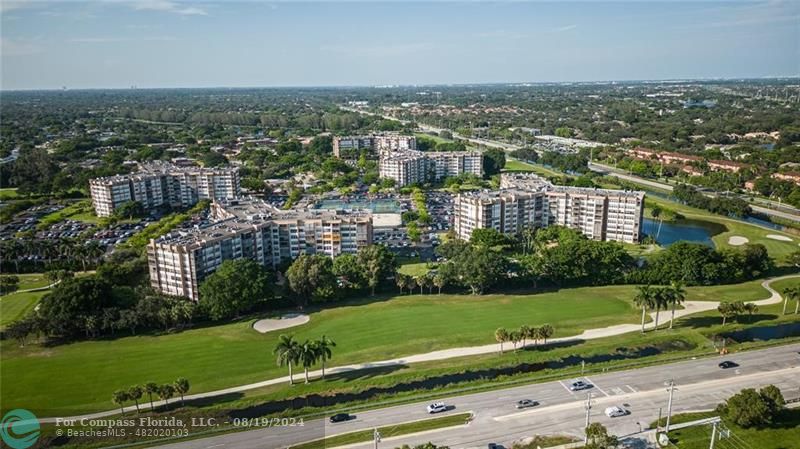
x,y
613,412
437,407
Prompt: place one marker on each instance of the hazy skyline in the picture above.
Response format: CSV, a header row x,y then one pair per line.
x,y
166,43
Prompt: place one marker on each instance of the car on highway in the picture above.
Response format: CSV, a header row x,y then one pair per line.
x,y
437,407
340,417
580,385
525,403
728,364
614,411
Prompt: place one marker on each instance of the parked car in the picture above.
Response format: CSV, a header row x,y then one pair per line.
x,y
340,417
580,385
494,446
614,411
525,403
728,364
437,407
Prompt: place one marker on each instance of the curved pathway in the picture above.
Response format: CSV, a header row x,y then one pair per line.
x,y
690,307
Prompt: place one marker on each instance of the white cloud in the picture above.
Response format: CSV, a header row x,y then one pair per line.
x,y
19,47
168,6
565,28
105,40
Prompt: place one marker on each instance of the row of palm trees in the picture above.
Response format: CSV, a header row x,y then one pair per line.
x,y
407,282
523,334
792,293
659,298
734,309
290,352
163,391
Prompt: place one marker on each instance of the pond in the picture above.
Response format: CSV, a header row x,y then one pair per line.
x,y
765,333
380,206
696,231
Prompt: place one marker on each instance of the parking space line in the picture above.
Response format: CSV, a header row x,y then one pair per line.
x,y
596,386
565,387
633,390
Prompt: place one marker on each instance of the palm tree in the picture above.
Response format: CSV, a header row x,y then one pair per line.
x,y
535,335
411,284
151,388
400,280
660,300
307,355
726,309
119,397
501,335
439,281
287,351
324,345
792,293
751,308
644,299
524,332
182,387
135,393
166,392
422,282
676,297
515,338
545,332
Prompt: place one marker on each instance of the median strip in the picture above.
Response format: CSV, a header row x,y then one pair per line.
x,y
361,436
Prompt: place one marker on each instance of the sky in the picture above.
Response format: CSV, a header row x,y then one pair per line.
x,y
172,43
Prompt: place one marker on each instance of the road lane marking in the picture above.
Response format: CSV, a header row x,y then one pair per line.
x,y
596,386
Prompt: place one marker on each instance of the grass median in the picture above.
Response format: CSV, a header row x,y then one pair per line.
x,y
387,431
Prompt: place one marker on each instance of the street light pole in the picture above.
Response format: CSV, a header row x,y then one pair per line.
x,y
669,404
376,436
713,434
588,410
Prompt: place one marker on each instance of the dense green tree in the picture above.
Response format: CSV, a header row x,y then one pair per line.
x,y
377,264
494,160
237,286
488,237
34,171
311,278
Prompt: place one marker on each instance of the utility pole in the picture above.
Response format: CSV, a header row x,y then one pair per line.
x,y
588,410
713,434
669,404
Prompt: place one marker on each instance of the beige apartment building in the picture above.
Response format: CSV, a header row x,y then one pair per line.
x,y
528,201
252,229
163,184
349,147
409,167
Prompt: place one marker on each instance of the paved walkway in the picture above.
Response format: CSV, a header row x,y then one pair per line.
x,y
690,307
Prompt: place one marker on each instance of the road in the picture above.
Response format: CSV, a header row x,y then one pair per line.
x,y
786,212
700,385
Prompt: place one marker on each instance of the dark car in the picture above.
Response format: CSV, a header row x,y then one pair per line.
x,y
728,364
494,446
340,417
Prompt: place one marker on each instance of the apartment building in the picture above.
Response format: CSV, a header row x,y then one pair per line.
x,y
528,201
249,228
408,167
349,147
163,184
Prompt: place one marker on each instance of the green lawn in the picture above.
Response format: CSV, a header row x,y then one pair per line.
x,y
786,283
414,269
747,291
8,193
31,280
514,165
16,305
784,434
233,354
80,211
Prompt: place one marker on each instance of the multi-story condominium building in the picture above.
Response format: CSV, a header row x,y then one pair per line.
x,y
162,184
253,229
408,167
528,201
349,147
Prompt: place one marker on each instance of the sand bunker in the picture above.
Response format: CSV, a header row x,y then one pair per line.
x,y
782,238
286,321
737,240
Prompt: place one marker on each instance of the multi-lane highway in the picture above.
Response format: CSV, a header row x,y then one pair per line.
x,y
700,384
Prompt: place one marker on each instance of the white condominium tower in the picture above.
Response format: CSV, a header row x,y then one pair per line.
x,y
252,229
161,184
528,201
409,167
